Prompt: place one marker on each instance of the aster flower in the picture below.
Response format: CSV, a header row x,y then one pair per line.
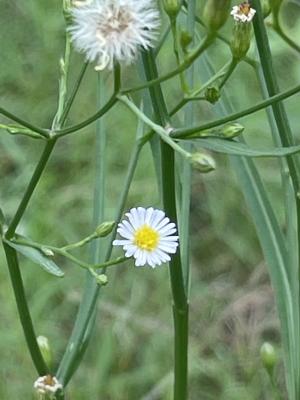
x,y
148,236
113,30
47,385
243,12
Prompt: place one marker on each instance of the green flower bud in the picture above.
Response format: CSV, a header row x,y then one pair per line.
x,y
230,131
185,40
268,357
216,13
203,162
172,7
212,94
105,229
101,279
241,39
227,131
45,349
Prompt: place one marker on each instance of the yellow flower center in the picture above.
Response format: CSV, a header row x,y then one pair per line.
x,y
245,8
146,238
48,380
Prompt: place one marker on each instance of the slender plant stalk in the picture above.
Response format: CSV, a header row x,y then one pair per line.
x,y
287,140
207,41
180,304
11,255
24,314
273,99
186,176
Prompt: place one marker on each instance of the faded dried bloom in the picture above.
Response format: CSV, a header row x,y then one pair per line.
x,y
243,12
47,385
148,236
113,30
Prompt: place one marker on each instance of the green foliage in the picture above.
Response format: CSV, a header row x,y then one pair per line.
x,y
231,298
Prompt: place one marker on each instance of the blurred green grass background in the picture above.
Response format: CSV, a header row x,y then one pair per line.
x,y
130,355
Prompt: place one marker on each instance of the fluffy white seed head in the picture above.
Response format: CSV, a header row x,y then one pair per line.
x,y
113,30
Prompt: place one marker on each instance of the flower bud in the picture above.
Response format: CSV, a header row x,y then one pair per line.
x,y
203,162
216,13
230,131
241,39
185,40
172,7
104,229
268,357
45,349
212,94
101,279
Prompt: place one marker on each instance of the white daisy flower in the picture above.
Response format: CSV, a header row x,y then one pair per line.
x,y
148,236
47,385
243,12
113,30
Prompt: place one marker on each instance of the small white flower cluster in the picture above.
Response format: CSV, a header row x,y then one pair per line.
x,y
243,12
148,236
47,385
113,30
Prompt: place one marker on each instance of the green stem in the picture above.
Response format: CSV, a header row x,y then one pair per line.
x,y
71,99
273,99
286,138
180,305
163,133
207,41
193,96
42,132
31,187
288,40
230,70
70,359
12,259
24,314
110,103
162,41
186,176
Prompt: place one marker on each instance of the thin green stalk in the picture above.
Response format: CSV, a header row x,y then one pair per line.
x,y
78,338
193,95
229,72
31,187
42,132
71,99
162,41
273,99
286,138
12,259
163,133
24,314
186,176
73,129
278,29
207,41
180,305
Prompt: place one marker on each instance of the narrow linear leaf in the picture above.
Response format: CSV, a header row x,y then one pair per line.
x,y
37,257
240,149
20,130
